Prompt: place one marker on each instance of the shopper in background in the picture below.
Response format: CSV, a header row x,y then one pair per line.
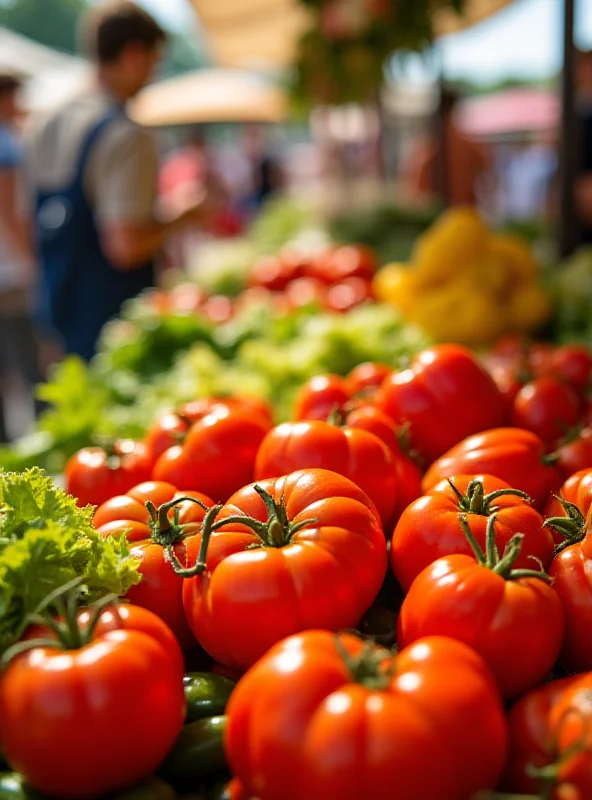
x,y
458,165
94,175
18,346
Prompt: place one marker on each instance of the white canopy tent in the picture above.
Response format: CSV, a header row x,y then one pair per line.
x,y
50,77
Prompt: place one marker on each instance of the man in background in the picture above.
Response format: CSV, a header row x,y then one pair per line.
x,y
94,175
18,347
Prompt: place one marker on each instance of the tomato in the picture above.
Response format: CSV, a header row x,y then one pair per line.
x,y
445,395
388,718
570,728
195,410
320,396
218,456
366,377
512,454
114,704
186,298
348,293
317,558
572,363
430,527
360,456
169,524
511,617
169,430
348,261
571,572
275,272
94,474
546,407
304,292
577,489
574,453
529,735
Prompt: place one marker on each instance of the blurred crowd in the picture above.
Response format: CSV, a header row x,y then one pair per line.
x,y
89,212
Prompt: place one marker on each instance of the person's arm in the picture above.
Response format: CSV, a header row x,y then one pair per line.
x,y
125,187
13,228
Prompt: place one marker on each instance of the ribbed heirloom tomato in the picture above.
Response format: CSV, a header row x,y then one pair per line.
x,y
577,489
530,744
218,454
359,455
96,711
430,527
546,407
570,728
512,454
168,522
305,550
325,716
445,395
512,617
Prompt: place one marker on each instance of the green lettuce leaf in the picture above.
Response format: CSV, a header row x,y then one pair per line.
x,y
46,541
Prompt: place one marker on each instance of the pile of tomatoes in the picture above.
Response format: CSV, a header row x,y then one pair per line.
x,y
444,506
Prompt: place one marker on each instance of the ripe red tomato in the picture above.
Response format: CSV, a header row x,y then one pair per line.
x,y
348,293
171,525
577,489
572,363
197,409
218,456
317,695
546,407
348,261
574,453
91,702
529,736
571,572
360,456
316,559
430,527
93,474
169,430
320,396
460,595
305,292
445,395
570,730
367,377
512,454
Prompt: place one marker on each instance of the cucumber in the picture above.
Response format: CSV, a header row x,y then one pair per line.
x,y
197,752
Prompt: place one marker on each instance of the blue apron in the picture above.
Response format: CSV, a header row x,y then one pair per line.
x,y
79,290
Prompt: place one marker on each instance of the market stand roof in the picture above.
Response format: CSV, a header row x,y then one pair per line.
x,y
264,34
209,95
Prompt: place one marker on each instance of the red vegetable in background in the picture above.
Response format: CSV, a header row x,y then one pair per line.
x,y
218,455
360,456
94,474
424,724
445,395
546,407
577,489
512,454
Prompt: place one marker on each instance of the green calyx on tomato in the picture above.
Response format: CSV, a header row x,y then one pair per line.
x,y
277,531
490,559
572,527
475,501
164,531
69,633
373,666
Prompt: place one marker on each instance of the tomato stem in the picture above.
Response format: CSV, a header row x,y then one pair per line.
x,y
572,527
368,666
504,565
475,501
207,528
164,531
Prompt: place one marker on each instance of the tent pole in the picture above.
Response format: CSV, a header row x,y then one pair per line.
x,y
441,162
567,140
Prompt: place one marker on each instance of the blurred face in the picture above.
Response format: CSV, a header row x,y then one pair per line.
x,y
136,65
